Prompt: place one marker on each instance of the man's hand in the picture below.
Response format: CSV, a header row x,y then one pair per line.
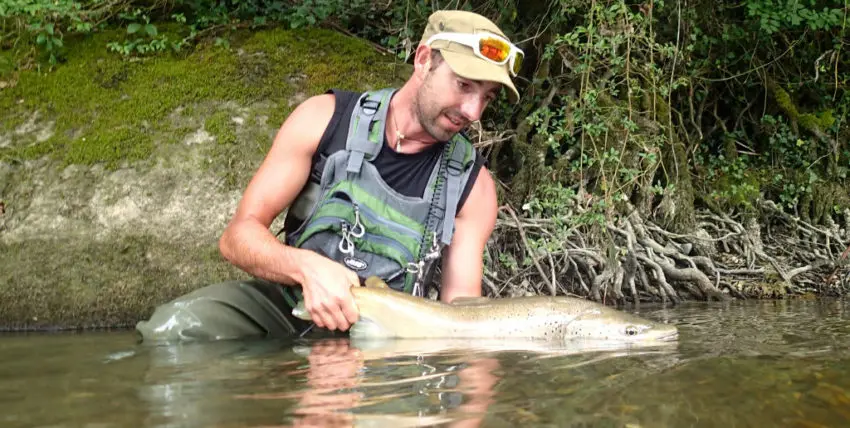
x,y
326,286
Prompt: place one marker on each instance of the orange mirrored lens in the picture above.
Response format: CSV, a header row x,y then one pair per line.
x,y
494,49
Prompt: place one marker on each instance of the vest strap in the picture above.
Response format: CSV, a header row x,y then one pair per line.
x,y
454,169
366,128
457,165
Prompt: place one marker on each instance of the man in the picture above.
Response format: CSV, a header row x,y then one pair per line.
x,y
359,206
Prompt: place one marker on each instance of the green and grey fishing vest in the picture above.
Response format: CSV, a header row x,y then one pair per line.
x,y
354,217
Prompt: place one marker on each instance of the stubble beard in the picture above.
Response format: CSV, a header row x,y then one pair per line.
x,y
428,118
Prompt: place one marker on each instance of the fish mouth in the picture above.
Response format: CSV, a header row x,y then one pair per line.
x,y
672,337
666,336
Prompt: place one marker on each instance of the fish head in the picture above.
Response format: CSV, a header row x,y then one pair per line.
x,y
604,323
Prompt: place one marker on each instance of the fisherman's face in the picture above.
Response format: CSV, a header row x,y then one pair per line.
x,y
446,103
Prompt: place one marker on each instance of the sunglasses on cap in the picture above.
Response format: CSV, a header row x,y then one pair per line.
x,y
488,46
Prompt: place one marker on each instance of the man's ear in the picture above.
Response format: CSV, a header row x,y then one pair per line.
x,y
422,59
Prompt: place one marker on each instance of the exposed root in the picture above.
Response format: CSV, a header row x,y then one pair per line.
x,y
637,260
600,282
660,277
552,289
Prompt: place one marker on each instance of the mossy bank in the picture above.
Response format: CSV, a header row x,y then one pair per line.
x,y
118,175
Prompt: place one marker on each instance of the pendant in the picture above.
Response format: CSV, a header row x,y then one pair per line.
x,y
398,138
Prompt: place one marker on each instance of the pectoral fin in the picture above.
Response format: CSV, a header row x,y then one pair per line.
x,y
300,311
367,329
375,282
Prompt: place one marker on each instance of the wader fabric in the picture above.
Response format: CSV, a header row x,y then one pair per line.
x,y
229,310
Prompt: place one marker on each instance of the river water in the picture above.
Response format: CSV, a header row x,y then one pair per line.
x,y
737,364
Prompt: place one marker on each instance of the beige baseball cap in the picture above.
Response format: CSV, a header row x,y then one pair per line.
x,y
461,58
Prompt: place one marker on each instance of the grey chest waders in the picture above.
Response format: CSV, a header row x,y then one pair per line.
x,y
354,217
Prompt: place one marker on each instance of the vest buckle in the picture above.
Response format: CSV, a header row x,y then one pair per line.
x,y
454,167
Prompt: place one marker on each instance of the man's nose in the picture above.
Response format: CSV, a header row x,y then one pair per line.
x,y
473,107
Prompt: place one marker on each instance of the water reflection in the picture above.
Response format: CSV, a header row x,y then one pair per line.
x,y
332,372
334,382
347,385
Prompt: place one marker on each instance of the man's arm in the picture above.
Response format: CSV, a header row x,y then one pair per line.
x,y
463,264
247,241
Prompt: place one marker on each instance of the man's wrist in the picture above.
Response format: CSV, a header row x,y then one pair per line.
x,y
296,260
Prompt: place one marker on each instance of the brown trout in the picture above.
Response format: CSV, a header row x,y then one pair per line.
x,y
386,313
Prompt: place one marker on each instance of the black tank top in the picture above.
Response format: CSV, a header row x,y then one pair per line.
x,y
406,173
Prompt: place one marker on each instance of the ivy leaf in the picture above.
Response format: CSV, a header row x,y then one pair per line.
x,y
795,19
151,30
134,28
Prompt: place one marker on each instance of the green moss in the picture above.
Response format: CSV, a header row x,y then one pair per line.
x,y
826,119
108,109
7,63
784,101
810,121
817,121
222,127
120,144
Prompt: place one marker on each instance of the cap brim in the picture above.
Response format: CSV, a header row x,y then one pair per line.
x,y
473,68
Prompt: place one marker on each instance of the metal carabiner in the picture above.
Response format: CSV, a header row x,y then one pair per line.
x,y
346,246
357,224
418,269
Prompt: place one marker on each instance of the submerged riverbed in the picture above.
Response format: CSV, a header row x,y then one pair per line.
x,y
754,363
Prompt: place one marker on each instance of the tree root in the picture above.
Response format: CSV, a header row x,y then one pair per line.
x,y
637,260
552,289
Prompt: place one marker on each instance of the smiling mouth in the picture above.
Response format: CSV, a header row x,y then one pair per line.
x,y
455,121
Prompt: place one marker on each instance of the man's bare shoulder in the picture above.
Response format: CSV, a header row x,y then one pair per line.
x,y
303,128
322,104
314,111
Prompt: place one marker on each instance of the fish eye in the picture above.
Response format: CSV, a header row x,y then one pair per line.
x,y
631,331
